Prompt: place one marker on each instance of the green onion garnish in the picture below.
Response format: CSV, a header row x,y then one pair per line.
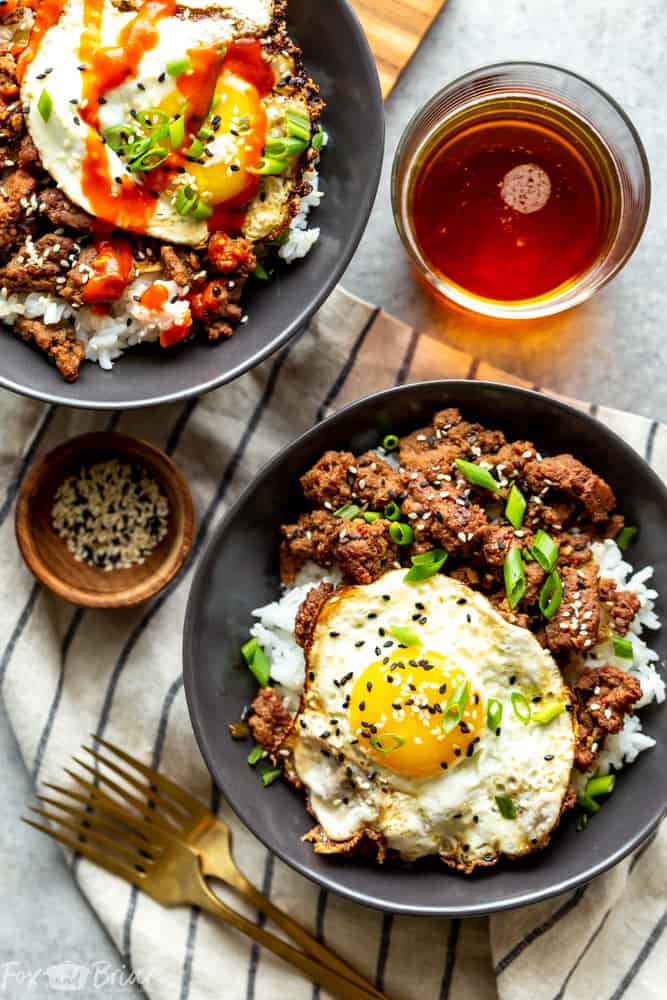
x,y
284,149
120,138
506,807
149,159
551,595
425,565
269,775
453,711
205,133
243,124
202,211
45,105
494,713
392,512
521,707
405,635
255,755
377,742
623,648
318,139
544,550
260,272
515,507
152,118
601,785
390,442
178,66
196,149
185,199
626,537
478,476
257,661
371,515
582,822
348,512
177,132
269,167
547,713
401,533
297,124
515,580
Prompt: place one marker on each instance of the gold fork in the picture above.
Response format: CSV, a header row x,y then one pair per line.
x,y
150,852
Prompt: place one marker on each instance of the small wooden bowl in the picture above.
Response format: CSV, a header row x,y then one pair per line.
x,y
47,555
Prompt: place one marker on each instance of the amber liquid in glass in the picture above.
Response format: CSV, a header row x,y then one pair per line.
x,y
514,199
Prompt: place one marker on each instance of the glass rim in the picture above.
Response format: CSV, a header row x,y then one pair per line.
x,y
556,301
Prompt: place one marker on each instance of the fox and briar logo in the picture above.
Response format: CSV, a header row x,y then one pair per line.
x,y
68,977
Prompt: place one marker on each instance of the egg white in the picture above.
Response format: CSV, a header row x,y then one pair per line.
x,y
424,816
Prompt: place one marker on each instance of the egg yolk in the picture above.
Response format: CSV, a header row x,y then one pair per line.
x,y
397,710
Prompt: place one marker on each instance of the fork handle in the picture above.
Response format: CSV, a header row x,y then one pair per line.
x,y
314,970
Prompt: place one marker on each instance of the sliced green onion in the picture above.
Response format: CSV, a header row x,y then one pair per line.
x,y
178,66
626,537
202,211
248,650
401,533
515,507
544,550
255,755
45,105
150,159
239,730
269,775
392,512
243,124
521,707
601,785
205,133
120,138
269,167
297,124
506,807
196,149
582,822
257,661
478,476
152,118
494,713
547,713
280,239
286,148
425,565
318,139
260,272
371,515
390,442
405,635
453,711
348,512
177,132
515,580
623,648
185,199
377,742
551,595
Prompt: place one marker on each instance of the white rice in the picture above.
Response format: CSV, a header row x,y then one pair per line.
x,y
275,633
128,322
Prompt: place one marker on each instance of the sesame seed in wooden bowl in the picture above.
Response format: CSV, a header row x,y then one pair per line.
x,y
105,520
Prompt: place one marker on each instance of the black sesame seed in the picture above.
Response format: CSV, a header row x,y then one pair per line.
x,y
362,706
311,675
458,816
471,749
381,631
444,765
372,614
442,688
462,600
374,730
360,643
325,735
464,727
457,751
386,597
419,606
334,635
369,685
388,643
513,679
475,819
468,619
416,617
548,756
378,651
538,697
390,679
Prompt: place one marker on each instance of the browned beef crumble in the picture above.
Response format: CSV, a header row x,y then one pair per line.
x,y
603,697
621,606
365,551
42,264
314,536
566,473
574,627
59,210
57,341
269,721
309,612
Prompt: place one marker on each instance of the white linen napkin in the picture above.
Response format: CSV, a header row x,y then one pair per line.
x,y
66,672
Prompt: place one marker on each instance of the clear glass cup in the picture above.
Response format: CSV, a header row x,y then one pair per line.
x,y
581,100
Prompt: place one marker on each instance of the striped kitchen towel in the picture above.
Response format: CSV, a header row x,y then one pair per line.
x,y
66,672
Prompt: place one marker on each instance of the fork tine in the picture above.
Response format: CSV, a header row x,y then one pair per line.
x,y
153,833
179,794
139,785
173,811
140,805
88,851
101,820
94,835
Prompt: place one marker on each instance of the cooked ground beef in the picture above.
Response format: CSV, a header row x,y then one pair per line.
x,y
621,605
28,157
574,627
57,341
314,536
566,473
179,265
449,518
602,697
41,264
15,191
365,551
59,210
269,721
309,611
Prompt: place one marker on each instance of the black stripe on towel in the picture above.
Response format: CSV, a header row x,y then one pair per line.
x,y
19,628
343,375
650,441
25,462
267,883
409,357
592,939
537,932
648,947
474,366
319,930
383,953
448,974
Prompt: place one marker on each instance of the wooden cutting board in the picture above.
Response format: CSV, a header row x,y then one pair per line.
x,y
395,29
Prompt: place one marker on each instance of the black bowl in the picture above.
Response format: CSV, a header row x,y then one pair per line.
x,y
218,617
337,56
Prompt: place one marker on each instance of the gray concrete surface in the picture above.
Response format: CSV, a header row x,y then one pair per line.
x,y
611,350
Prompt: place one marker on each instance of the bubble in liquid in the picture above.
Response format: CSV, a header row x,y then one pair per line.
x,y
526,188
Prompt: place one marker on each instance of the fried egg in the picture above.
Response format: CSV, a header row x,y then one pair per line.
x,y
398,732
105,67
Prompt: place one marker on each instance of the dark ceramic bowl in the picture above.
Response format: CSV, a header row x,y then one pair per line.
x,y
218,617
337,56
